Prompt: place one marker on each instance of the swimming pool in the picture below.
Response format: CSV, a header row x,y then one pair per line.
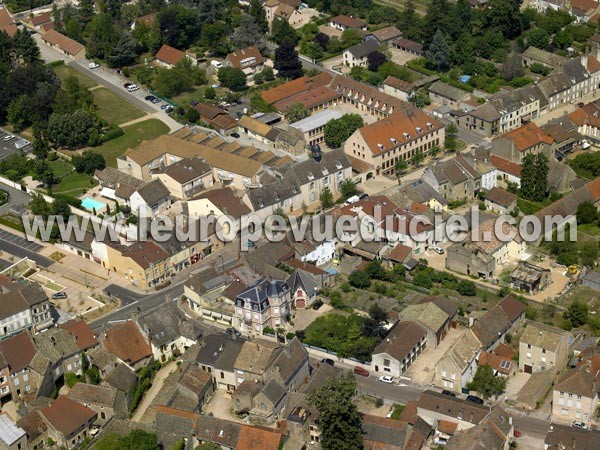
x,y
90,203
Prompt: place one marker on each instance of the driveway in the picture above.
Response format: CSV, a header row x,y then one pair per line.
x,y
423,369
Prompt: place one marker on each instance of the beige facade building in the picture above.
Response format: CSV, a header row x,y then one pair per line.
x,y
575,395
186,177
400,136
542,347
457,367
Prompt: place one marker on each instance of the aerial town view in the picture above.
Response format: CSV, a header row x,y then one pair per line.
x,y
300,224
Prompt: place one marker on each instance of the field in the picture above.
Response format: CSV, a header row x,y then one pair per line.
x,y
134,134
420,5
74,184
64,72
113,108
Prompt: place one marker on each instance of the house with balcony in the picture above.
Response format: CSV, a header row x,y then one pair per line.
x,y
186,177
265,304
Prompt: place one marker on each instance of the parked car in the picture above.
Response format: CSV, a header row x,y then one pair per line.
x,y
8,137
328,361
149,98
517,433
363,196
448,393
437,249
235,135
230,330
133,87
156,100
386,379
59,295
169,109
474,399
361,371
93,66
126,85
581,425
317,304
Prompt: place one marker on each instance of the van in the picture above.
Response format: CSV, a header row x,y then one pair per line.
x,y
216,64
132,87
361,371
352,199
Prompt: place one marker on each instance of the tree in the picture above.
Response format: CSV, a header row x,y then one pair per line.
x,y
375,60
100,33
538,37
439,52
208,446
513,65
179,25
485,383
268,74
282,31
123,51
232,78
25,46
534,177
192,116
466,288
350,37
80,129
377,313
326,198
339,419
248,33
287,62
577,313
348,188
359,279
417,158
400,167
19,112
256,10
210,93
338,130
322,40
297,111
563,39
586,213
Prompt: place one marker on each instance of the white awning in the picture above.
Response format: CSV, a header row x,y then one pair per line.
x,y
108,193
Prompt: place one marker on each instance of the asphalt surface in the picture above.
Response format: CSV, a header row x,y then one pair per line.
x,y
8,148
8,245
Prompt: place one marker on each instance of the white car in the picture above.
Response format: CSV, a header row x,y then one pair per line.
x,y
438,250
386,379
93,66
8,137
133,87
579,425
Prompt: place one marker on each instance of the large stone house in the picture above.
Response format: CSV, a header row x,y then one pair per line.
x,y
265,304
399,349
455,179
543,347
575,395
457,367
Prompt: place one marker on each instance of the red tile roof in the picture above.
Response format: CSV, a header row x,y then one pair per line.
x,y
169,55
593,65
7,23
512,307
310,98
379,135
506,166
445,426
18,351
41,19
589,114
399,84
127,343
400,252
236,58
409,413
504,351
528,136
294,87
496,362
85,337
256,438
349,22
63,42
67,415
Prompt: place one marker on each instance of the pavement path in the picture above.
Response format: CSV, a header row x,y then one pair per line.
x,y
157,384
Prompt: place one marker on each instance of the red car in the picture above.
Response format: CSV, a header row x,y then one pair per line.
x,y
517,433
361,371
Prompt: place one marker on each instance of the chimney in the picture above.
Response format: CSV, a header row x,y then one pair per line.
x,y
584,60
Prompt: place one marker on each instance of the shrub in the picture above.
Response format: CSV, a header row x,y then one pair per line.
x,y
113,132
359,279
466,288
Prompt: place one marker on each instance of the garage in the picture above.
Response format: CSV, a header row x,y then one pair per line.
x,y
528,368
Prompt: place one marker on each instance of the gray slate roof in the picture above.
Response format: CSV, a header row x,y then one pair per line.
x,y
167,324
364,48
153,191
301,279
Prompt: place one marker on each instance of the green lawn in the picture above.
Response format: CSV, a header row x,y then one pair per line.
x,y
64,71
113,108
74,184
528,207
61,167
134,134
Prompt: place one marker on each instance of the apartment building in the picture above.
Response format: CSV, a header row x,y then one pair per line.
x,y
399,136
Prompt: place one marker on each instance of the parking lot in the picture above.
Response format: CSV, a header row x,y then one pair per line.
x,y
8,147
19,241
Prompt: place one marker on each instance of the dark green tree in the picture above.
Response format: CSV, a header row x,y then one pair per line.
x,y
326,198
26,46
586,213
375,60
282,31
339,419
417,158
577,313
400,167
438,53
232,78
534,177
88,162
538,37
248,33
338,130
123,52
348,188
256,10
359,279
485,383
287,62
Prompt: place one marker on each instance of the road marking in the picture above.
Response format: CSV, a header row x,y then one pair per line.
x,y
125,306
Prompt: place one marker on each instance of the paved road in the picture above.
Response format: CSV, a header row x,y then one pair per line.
x,y
132,301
